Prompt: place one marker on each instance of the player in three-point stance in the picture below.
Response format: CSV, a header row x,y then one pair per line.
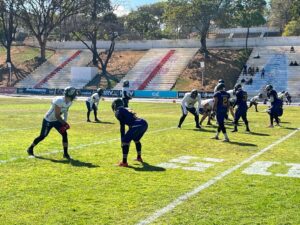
x,y
221,106
126,95
254,101
92,103
207,108
60,105
275,110
242,107
188,105
137,128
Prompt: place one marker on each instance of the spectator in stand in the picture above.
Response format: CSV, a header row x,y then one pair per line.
x,y
243,81
262,75
257,70
244,69
292,50
295,63
249,70
291,63
257,56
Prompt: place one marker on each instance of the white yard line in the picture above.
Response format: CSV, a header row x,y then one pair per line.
x,y
209,183
55,151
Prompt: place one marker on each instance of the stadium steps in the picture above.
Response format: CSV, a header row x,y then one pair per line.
x,y
57,70
166,74
63,77
43,70
278,73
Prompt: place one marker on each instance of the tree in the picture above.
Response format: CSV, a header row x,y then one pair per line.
x,y
9,25
42,16
292,28
280,13
98,22
248,13
146,21
200,14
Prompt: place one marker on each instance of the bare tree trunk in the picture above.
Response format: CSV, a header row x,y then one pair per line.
x,y
43,44
8,53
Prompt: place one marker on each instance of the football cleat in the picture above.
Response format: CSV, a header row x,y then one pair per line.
x,y
139,159
30,151
226,140
122,164
235,130
198,126
88,120
96,120
215,137
67,156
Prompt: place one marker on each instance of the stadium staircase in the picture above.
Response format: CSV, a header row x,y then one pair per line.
x,y
275,61
158,69
49,75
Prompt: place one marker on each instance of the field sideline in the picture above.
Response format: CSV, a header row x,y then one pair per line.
x,y
255,179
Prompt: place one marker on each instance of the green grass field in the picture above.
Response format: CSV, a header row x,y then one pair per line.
x,y
90,189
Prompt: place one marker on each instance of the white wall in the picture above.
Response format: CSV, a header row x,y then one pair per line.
x,y
183,43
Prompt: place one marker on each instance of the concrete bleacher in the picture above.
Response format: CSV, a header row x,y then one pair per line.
x,y
43,70
167,74
275,61
63,78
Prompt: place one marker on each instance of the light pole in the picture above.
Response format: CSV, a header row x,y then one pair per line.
x,y
9,67
202,64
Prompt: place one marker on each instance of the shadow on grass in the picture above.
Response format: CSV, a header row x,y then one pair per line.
x,y
290,128
242,143
258,134
73,162
147,168
103,122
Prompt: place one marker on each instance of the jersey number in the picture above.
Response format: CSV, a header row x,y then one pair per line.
x,y
225,101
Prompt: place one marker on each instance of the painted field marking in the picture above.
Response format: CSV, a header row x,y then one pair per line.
x,y
55,151
181,199
261,168
181,162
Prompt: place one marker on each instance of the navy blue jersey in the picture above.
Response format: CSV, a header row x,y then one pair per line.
x,y
223,98
273,96
125,116
241,99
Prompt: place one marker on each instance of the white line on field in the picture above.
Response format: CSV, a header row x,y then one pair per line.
x,y
212,181
55,151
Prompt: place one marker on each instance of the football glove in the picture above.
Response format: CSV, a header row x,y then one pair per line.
x,y
64,128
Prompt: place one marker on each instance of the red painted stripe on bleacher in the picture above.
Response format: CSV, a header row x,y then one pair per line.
x,y
156,69
56,70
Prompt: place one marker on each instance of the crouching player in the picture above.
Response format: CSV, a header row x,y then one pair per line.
x,y
188,105
207,107
92,104
254,101
275,111
60,105
241,111
221,106
137,128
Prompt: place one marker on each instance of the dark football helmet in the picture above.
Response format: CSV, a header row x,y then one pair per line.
x,y
237,87
100,91
221,87
70,92
126,83
221,81
116,104
260,95
194,93
269,88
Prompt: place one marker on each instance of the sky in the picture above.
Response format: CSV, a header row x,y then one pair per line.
x,y
125,6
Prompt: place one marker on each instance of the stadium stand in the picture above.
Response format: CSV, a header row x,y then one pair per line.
x,y
275,61
158,69
56,71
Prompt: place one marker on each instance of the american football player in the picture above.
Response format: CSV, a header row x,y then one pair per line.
x,y
221,106
137,128
241,111
276,106
92,103
60,105
254,101
126,95
207,108
188,105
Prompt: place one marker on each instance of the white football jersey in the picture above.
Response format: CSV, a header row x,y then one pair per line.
x,y
254,99
61,103
94,99
127,90
208,103
189,102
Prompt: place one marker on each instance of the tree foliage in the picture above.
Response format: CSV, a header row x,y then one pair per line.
x,y
41,17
